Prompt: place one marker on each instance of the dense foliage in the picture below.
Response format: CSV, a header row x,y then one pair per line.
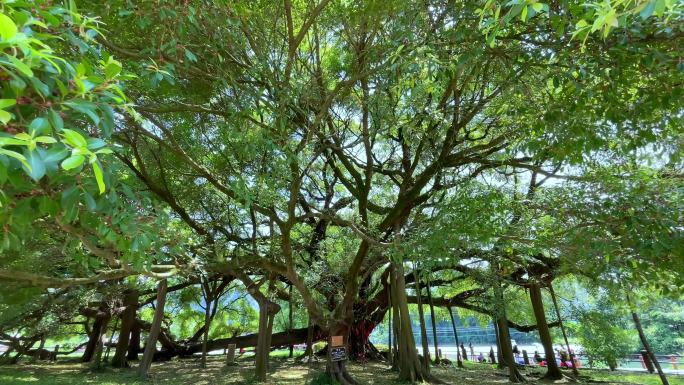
x,y
302,169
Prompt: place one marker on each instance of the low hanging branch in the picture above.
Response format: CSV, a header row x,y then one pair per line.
x,y
44,281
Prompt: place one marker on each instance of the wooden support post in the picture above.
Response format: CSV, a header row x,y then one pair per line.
x,y
230,356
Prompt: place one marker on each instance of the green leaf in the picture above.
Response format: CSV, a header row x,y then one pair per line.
x,y
73,162
56,120
5,116
74,139
21,66
10,141
95,143
112,69
45,139
7,27
4,103
99,177
89,201
55,153
85,107
47,205
15,155
69,197
191,56
37,166
39,126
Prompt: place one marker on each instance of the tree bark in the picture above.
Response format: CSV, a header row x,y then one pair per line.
x,y
410,368
499,356
396,327
267,312
433,320
290,325
205,334
93,339
459,362
309,341
504,334
134,343
390,356
421,321
127,321
36,354
96,361
507,351
560,323
644,341
151,345
553,372
111,338
337,370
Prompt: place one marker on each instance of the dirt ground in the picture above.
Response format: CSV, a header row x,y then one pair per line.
x,y
283,372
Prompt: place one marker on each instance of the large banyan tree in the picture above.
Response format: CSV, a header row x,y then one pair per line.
x,y
303,145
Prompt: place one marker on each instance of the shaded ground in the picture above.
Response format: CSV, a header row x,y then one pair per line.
x,y
284,371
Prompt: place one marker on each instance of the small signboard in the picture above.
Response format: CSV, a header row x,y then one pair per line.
x,y
337,341
338,353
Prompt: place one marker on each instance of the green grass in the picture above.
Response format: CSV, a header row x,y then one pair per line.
x,y
636,378
284,371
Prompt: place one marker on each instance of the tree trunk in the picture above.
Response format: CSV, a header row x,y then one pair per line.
x,y
507,351
151,345
267,312
396,327
421,320
96,361
360,347
390,356
433,320
410,368
134,343
21,350
565,335
499,357
290,325
504,334
205,334
36,354
308,352
111,338
337,370
93,339
453,324
127,320
552,370
647,345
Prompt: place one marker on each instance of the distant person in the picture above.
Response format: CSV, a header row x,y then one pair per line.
x,y
472,351
492,358
674,362
480,358
515,349
463,352
537,357
564,360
